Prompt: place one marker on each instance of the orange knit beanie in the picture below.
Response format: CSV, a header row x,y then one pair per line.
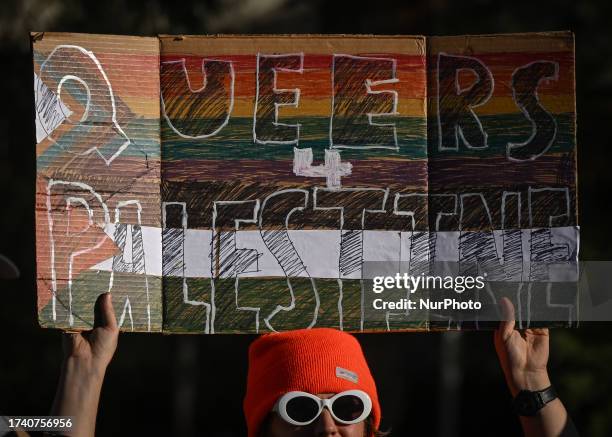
x,y
319,360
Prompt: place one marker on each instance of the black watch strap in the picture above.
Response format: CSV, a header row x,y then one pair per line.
x,y
528,403
548,394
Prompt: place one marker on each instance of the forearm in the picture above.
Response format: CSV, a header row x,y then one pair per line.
x,y
550,421
78,395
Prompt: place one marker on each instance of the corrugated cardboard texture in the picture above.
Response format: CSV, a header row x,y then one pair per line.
x,y
275,166
507,176
98,176
247,163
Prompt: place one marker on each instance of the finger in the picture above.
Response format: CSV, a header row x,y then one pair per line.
x,y
540,332
506,326
104,314
540,338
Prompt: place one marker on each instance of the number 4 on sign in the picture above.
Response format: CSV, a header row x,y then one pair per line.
x,y
332,170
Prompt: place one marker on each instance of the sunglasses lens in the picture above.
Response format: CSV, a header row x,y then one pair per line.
x,y
302,409
348,407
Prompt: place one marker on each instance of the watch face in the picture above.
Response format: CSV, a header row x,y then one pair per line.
x,y
527,403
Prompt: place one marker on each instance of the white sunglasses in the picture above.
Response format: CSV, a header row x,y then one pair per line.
x,y
301,408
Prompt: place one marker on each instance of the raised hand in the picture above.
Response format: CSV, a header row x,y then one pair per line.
x,y
96,347
523,354
86,357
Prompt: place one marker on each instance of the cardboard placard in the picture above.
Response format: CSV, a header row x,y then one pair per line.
x,y
221,184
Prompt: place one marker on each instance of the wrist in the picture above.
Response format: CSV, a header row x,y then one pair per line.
x,y
84,369
534,380
531,403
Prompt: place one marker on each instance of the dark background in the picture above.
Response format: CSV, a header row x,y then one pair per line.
x,y
430,384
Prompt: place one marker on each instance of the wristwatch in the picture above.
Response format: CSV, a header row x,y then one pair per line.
x,y
528,403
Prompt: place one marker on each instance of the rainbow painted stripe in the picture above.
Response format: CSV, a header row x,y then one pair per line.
x,y
154,154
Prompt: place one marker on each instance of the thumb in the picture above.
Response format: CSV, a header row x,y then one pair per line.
x,y
506,326
104,314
